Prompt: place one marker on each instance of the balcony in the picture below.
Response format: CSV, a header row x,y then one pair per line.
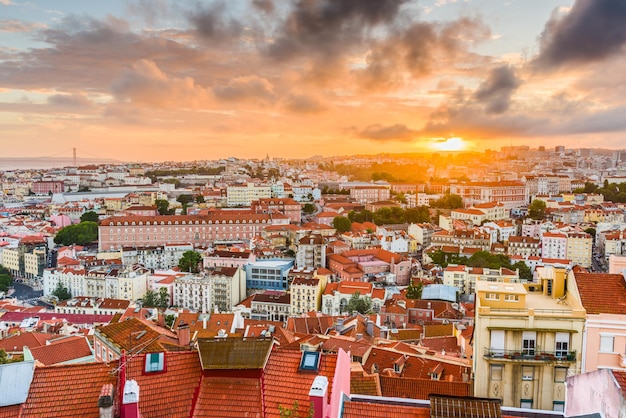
x,y
536,355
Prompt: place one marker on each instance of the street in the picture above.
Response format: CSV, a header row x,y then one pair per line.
x,y
25,293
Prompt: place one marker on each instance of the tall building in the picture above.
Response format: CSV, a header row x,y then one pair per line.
x,y
527,340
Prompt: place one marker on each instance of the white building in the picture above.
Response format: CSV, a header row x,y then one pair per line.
x,y
245,195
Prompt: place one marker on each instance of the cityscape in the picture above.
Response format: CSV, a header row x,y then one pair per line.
x,y
314,208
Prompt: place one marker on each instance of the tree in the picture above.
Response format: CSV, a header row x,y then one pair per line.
x,y
80,234
185,200
308,208
164,298
189,261
89,216
592,232
199,199
5,282
342,224
154,299
62,292
359,304
537,209
524,271
4,357
414,291
449,201
416,215
163,207
149,300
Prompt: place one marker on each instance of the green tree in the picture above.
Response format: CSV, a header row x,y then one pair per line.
x,y
185,200
5,282
414,291
149,300
163,206
537,209
4,357
164,298
342,224
416,215
308,208
89,216
80,234
448,201
199,199
158,299
190,261
61,292
524,271
359,304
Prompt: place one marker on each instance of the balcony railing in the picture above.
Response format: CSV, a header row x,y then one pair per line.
x,y
537,355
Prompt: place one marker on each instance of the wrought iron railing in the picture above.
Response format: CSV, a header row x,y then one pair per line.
x,y
529,354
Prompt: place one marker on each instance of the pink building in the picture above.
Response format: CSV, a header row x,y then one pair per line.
x,y
367,194
604,298
286,206
199,230
46,187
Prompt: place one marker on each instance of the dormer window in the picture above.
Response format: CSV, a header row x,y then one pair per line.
x,y
310,361
155,362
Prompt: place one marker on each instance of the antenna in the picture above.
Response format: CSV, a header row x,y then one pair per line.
x,y
74,156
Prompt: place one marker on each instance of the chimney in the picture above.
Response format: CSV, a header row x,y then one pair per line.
x,y
204,322
319,396
184,335
161,319
105,401
370,327
339,325
130,401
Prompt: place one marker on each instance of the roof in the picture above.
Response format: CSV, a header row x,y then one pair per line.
x,y
463,406
15,379
285,383
376,410
69,390
234,353
133,333
397,387
602,292
222,397
29,339
168,394
62,350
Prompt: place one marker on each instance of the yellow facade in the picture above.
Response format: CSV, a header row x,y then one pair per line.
x,y
527,339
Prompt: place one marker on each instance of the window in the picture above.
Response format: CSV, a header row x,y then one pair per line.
x,y
511,298
526,403
562,344
528,372
491,296
155,362
496,371
529,340
606,343
558,406
497,341
560,373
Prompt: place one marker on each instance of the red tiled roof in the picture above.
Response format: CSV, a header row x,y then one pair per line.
x,y
69,390
396,387
620,377
602,293
223,397
29,339
284,383
376,410
62,350
362,383
168,394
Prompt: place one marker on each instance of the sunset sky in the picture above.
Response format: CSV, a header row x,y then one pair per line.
x,y
154,80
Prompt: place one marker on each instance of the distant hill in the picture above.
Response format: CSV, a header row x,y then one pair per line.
x,y
47,162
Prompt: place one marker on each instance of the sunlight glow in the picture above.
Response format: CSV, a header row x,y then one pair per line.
x,y
450,144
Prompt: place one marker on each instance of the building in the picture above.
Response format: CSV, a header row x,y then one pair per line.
x,y
464,278
511,194
472,238
269,274
246,194
601,393
192,291
227,258
368,194
524,246
159,257
311,252
579,248
286,206
270,305
306,294
554,245
527,341
228,288
200,231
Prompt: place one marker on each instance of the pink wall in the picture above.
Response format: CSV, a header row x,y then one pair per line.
x,y
595,392
341,382
605,324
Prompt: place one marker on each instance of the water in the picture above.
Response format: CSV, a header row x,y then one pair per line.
x,y
45,163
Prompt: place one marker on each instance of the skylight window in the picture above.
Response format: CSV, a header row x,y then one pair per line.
x,y
155,362
310,360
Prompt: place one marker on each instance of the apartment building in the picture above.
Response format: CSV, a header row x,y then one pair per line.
x,y
580,248
369,194
200,231
337,295
554,245
524,246
311,252
160,257
246,194
464,278
306,293
286,206
527,340
511,194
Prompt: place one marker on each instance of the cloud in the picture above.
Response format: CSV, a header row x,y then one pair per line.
x,y
6,2
147,85
69,100
592,31
246,87
397,132
266,6
327,28
13,25
303,103
212,23
495,92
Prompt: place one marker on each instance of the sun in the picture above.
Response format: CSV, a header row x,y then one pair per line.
x,y
450,144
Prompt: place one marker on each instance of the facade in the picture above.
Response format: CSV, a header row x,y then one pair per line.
x,y
245,195
270,305
463,238
579,248
511,194
228,288
464,278
306,294
227,258
554,245
192,291
286,206
526,342
337,295
268,274
48,187
311,252
157,257
200,231
524,246
369,194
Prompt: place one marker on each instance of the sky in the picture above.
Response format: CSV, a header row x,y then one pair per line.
x,y
158,80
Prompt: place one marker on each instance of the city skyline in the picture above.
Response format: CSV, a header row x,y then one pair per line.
x,y
159,80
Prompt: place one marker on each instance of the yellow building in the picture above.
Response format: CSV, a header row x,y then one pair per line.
x,y
527,340
306,293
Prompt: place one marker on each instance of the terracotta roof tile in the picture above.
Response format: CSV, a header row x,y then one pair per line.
x,y
376,410
29,339
62,350
168,394
362,383
602,293
69,390
284,383
222,397
402,387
